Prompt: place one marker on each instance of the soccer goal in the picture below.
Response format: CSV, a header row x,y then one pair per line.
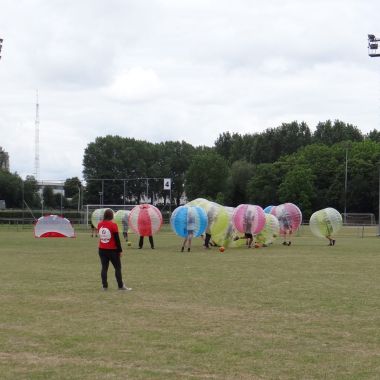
x,y
91,208
359,219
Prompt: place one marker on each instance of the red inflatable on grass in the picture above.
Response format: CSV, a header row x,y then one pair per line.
x,y
145,219
53,226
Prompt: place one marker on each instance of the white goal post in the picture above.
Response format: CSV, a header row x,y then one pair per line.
x,y
359,219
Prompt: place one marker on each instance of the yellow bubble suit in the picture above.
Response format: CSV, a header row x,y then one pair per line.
x,y
121,219
221,229
326,223
97,216
270,231
211,208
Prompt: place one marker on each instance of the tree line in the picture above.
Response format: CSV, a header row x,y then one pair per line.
x,y
288,163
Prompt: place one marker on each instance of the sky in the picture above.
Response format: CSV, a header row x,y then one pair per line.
x,y
177,70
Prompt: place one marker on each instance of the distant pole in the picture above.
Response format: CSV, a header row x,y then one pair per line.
x,y
378,220
374,51
124,191
345,188
37,140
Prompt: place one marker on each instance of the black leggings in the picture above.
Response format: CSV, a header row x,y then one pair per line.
x,y
107,255
141,241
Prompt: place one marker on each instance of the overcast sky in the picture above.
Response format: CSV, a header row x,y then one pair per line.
x,y
161,70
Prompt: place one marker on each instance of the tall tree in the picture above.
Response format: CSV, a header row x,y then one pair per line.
x,y
10,189
240,174
331,133
207,176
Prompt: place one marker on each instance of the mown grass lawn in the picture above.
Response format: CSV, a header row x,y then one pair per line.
x,y
308,311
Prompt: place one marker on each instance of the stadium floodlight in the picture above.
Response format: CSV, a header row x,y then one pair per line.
x,y
371,37
372,52
373,46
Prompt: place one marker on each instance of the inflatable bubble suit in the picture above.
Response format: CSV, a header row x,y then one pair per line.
x,y
248,219
222,230
212,209
326,222
145,219
289,216
188,218
97,216
121,219
270,231
268,209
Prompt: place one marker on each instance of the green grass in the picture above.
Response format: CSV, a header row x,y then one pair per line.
x,y
307,311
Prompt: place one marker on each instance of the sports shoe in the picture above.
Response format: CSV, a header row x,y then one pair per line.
x,y
333,242
188,249
182,249
125,288
289,242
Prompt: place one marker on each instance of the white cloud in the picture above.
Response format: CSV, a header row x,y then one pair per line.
x,y
135,85
172,70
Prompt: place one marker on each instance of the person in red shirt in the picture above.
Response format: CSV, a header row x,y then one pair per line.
x,y
110,249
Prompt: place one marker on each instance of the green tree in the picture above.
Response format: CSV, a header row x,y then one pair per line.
x,y
262,187
10,189
298,188
31,195
48,197
207,176
331,133
240,174
71,187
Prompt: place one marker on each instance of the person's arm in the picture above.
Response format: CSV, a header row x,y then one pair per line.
x,y
117,241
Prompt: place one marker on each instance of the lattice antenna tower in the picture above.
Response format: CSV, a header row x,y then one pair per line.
x,y
37,140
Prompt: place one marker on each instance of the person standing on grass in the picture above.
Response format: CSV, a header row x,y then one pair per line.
x,y
110,249
190,227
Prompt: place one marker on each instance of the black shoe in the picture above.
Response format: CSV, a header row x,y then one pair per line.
x,y
333,242
289,243
284,243
182,249
188,249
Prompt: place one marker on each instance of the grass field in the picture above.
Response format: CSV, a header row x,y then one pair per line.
x,y
308,311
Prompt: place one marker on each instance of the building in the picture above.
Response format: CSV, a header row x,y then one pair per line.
x,y
4,160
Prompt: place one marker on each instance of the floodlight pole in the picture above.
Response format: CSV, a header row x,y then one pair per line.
x,y
345,188
378,220
373,47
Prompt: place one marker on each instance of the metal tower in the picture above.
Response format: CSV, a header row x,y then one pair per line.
x,y
37,140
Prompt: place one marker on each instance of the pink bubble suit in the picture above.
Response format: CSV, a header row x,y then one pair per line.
x,y
248,219
289,217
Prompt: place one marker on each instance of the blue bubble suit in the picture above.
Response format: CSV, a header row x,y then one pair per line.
x,y
189,219
268,209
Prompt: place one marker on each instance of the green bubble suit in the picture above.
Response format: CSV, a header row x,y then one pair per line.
x,y
326,223
121,219
270,231
97,216
220,225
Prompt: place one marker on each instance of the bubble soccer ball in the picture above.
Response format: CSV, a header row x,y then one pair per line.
x,y
289,217
270,231
187,219
325,223
145,219
248,219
